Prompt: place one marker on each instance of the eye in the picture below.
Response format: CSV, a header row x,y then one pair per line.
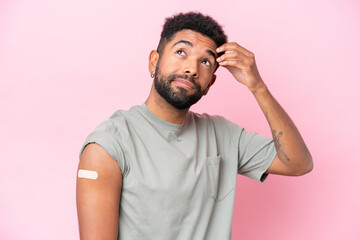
x,y
180,52
206,62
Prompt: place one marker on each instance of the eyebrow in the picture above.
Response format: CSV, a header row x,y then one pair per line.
x,y
191,45
183,41
212,54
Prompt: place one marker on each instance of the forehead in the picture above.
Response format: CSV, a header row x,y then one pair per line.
x,y
197,39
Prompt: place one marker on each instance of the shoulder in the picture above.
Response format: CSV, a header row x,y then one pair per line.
x,y
202,117
219,124
123,114
217,120
118,121
222,127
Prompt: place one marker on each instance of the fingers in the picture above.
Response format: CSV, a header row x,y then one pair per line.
x,y
235,63
234,54
233,46
241,64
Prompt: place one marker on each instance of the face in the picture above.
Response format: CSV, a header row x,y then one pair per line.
x,y
185,69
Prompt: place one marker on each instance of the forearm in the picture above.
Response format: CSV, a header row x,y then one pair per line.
x,y
290,146
293,157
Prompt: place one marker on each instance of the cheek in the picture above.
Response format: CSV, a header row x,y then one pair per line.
x,y
206,75
170,67
207,70
202,85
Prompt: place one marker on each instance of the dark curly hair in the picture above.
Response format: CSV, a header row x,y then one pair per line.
x,y
193,21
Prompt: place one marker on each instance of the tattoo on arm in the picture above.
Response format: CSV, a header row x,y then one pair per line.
x,y
279,149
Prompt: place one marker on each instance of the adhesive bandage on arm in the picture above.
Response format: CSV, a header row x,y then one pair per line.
x,y
87,174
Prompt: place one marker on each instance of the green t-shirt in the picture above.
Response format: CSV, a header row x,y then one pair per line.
x,y
179,179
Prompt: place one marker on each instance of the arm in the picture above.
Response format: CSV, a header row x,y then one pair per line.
x,y
293,158
98,199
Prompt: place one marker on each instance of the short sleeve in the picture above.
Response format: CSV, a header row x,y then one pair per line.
x,y
109,138
256,153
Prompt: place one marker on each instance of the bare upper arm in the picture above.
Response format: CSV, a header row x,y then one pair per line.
x,y
98,200
280,168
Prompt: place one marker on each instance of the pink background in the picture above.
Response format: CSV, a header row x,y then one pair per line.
x,y
67,65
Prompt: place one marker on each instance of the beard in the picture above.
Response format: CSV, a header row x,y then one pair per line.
x,y
178,98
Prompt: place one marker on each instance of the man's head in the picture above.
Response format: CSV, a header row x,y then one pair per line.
x,y
185,60
197,22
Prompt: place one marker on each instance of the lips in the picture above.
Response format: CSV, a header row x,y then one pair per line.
x,y
184,83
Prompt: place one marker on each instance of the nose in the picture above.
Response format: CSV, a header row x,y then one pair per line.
x,y
191,68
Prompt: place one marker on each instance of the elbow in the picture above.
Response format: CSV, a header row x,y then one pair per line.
x,y
306,167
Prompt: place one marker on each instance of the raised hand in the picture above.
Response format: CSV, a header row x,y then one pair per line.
x,y
241,63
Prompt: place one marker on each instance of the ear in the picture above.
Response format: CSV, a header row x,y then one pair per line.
x,y
210,84
153,59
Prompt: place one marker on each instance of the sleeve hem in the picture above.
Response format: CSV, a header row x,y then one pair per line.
x,y
266,167
107,142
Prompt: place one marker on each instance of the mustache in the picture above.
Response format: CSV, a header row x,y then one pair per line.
x,y
173,76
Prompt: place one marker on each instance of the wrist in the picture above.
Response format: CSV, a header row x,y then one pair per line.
x,y
259,88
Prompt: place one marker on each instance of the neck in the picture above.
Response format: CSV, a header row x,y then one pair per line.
x,y
161,108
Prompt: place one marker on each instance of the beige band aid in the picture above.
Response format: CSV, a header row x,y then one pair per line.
x,y
87,174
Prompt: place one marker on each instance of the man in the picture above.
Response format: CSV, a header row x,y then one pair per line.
x,y
160,171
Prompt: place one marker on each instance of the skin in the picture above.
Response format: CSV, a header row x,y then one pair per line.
x,y
98,200
181,58
293,158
